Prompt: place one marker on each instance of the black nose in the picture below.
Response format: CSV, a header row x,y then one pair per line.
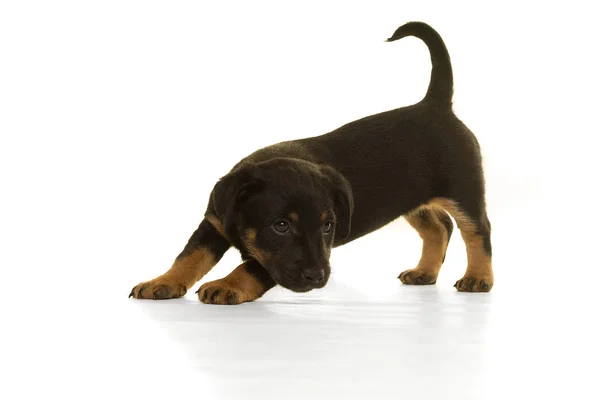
x,y
313,275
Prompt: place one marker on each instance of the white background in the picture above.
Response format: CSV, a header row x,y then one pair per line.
x,y
117,117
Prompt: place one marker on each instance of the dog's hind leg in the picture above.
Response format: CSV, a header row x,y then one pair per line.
x,y
435,228
475,229
202,252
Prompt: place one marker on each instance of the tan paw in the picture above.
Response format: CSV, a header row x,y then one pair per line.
x,y
474,284
417,277
158,289
222,292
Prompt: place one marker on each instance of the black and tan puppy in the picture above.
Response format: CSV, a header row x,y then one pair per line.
x,y
285,206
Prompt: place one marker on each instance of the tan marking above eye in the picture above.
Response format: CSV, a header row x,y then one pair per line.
x,y
294,216
250,234
323,216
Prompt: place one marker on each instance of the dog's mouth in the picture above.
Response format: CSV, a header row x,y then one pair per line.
x,y
301,287
298,289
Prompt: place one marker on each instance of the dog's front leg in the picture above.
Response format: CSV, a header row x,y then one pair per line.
x,y
247,282
202,252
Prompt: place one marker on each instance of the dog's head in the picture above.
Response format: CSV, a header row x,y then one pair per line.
x,y
286,213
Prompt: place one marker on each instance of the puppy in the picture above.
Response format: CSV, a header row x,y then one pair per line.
x,y
284,207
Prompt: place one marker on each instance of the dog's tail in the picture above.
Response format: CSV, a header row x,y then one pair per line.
x,y
441,84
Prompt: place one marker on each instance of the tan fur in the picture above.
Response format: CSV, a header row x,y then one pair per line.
x,y
217,224
294,216
462,220
479,275
237,287
250,243
479,263
435,242
323,217
182,275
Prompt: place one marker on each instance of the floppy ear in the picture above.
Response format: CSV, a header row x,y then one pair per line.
x,y
231,191
343,200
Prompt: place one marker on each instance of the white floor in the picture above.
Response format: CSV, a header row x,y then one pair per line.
x,y
364,336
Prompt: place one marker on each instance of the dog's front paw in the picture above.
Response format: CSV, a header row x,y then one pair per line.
x,y
474,284
158,289
417,276
222,292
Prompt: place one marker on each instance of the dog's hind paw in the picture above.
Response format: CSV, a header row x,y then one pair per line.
x,y
474,284
417,277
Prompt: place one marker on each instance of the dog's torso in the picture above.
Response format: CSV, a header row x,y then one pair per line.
x,y
395,161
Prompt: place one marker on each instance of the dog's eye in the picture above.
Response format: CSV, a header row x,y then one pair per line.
x,y
327,227
281,226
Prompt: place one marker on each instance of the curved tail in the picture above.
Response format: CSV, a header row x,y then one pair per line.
x,y
441,85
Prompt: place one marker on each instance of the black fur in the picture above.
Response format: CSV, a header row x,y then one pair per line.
x,y
206,235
